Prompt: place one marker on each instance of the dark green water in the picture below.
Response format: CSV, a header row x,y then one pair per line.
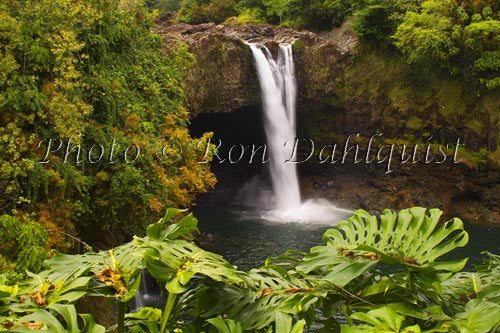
x,y
246,240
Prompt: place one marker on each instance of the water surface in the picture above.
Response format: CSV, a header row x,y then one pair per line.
x,y
245,239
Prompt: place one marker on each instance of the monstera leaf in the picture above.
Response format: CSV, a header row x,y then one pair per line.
x,y
282,296
411,238
489,274
273,296
114,273
284,323
145,319
176,262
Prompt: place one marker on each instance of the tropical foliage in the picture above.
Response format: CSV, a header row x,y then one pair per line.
x,y
90,71
456,36
380,274
23,246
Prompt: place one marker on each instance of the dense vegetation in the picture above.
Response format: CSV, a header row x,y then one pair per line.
x,y
382,274
90,71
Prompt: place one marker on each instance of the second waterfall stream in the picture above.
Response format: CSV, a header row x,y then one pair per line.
x,y
279,93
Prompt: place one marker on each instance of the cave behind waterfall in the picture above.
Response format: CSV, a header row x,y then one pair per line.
x,y
241,127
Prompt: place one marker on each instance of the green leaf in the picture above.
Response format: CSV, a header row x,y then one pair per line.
x,y
225,325
383,319
298,327
146,313
478,317
45,317
68,312
90,325
411,238
166,228
146,317
7,291
283,322
174,286
131,289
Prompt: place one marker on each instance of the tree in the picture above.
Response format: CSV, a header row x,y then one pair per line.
x,y
201,11
164,6
320,14
483,38
374,21
431,35
277,7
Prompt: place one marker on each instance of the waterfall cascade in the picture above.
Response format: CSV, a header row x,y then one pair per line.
x,y
279,92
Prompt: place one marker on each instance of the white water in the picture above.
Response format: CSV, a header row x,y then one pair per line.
x,y
277,81
279,93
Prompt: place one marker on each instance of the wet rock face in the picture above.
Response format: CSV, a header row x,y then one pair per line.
x,y
224,78
455,189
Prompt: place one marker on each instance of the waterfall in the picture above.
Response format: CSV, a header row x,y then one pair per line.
x,y
148,295
279,91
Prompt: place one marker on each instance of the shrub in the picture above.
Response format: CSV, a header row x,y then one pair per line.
x,y
24,246
374,22
200,11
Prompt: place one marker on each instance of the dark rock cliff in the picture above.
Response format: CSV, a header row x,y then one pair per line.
x,y
224,77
